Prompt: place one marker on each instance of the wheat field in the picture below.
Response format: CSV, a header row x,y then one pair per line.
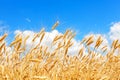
x,y
41,64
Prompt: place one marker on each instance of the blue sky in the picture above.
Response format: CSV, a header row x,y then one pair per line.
x,y
83,16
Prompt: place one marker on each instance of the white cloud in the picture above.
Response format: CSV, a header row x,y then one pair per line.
x,y
47,40
49,36
115,31
74,50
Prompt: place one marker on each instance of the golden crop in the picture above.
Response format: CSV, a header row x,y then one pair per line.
x,y
41,64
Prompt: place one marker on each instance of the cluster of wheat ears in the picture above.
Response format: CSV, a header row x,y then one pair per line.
x,y
40,64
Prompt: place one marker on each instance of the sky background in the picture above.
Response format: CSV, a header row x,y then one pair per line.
x,y
83,16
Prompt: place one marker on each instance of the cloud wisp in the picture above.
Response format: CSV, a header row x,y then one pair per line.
x,y
3,28
28,20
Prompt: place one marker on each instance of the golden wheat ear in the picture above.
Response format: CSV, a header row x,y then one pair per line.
x,y
55,25
3,37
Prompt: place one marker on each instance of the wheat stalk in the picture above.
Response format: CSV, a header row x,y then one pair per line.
x,y
42,63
